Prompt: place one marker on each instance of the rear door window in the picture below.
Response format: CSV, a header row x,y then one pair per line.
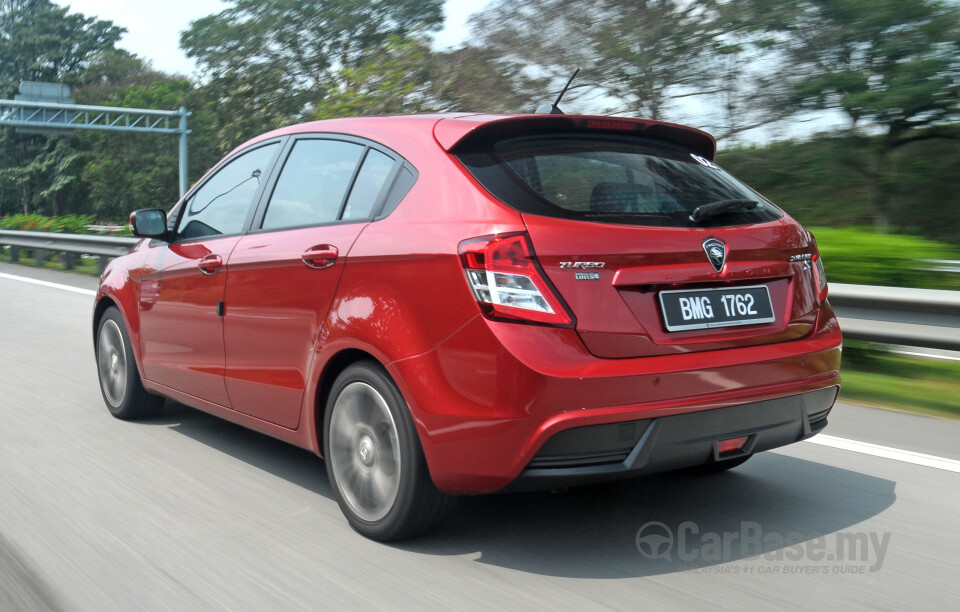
x,y
313,183
327,180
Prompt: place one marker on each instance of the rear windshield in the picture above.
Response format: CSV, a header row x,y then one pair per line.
x,y
613,180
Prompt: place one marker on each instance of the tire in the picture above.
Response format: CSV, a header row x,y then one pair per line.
x,y
716,467
123,393
374,459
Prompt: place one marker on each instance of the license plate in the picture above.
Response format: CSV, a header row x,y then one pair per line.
x,y
707,308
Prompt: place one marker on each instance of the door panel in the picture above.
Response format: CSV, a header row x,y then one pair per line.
x,y
275,306
181,331
183,282
281,282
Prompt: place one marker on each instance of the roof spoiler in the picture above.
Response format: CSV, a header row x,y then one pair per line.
x,y
460,131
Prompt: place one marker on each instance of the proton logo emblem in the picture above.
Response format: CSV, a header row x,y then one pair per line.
x,y
716,252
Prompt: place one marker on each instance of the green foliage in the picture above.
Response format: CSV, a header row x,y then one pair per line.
x,y
642,53
479,79
67,224
270,62
127,171
888,64
40,41
815,181
406,76
861,257
392,79
829,180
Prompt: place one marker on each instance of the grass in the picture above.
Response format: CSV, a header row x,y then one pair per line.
x,y
861,257
877,377
54,261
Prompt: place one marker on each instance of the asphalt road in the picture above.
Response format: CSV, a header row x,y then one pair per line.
x,y
188,512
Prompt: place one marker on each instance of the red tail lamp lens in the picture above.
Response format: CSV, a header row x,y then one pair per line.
x,y
508,282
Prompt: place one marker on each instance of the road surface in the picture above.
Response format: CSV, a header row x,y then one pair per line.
x,y
188,512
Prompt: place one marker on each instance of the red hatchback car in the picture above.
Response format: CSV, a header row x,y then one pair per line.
x,y
463,304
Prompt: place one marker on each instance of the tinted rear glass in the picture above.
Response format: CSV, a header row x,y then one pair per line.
x,y
611,179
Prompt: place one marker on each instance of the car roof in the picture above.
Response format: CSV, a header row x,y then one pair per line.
x,y
451,129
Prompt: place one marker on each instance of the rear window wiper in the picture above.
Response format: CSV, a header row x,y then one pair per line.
x,y
701,213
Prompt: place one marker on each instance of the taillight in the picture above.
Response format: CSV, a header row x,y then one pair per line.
x,y
507,281
821,276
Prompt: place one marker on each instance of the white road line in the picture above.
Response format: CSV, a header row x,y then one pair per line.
x,y
940,463
34,281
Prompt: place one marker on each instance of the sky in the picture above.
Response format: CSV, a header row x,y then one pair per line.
x,y
153,28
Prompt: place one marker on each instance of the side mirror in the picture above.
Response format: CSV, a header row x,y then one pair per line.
x,y
149,223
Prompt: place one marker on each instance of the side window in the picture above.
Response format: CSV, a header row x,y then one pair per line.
x,y
373,174
220,206
312,184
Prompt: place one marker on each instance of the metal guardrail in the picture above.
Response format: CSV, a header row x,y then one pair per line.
x,y
71,245
890,315
106,228
925,318
943,265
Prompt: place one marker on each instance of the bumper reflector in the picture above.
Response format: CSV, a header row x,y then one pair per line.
x,y
732,445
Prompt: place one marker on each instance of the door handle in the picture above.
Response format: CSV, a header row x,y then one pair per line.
x,y
210,264
320,256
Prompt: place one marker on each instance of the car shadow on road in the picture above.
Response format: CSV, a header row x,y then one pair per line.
x,y
591,532
293,464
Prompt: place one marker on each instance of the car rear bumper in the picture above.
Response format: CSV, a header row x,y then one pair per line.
x,y
599,453
493,402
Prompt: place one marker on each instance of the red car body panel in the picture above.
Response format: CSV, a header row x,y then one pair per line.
x,y
484,394
277,306
181,337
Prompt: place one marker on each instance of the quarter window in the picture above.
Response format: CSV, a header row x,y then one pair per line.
x,y
373,174
220,206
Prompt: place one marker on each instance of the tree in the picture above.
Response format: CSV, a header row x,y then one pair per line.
x,y
642,54
890,66
405,76
394,78
271,62
40,41
477,79
127,171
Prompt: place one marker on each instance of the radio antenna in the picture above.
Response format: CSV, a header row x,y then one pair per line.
x,y
553,109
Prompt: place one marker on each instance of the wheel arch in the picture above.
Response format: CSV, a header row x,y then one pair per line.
x,y
106,301
331,370
103,304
